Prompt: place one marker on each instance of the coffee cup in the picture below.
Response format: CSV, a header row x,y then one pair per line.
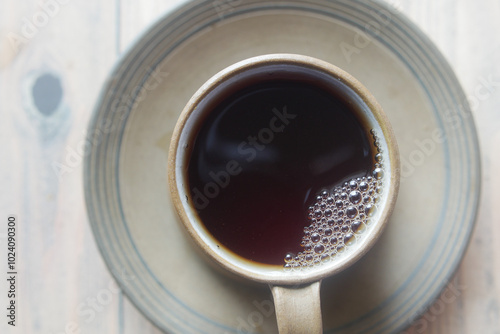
x,y
284,170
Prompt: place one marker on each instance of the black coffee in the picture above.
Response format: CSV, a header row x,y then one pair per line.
x,y
263,155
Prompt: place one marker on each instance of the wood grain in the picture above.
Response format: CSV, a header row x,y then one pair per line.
x,y
65,287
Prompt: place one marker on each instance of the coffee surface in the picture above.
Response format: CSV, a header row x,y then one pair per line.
x,y
263,155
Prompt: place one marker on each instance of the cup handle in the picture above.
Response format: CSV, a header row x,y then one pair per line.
x,y
298,309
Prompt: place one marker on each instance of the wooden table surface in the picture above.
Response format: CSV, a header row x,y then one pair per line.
x,y
64,49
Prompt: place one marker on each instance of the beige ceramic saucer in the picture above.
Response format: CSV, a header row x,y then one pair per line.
x,y
125,173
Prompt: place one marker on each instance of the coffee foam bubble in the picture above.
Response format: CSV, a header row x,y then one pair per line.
x,y
339,217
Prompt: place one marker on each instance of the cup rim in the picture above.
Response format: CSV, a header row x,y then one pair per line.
x,y
180,194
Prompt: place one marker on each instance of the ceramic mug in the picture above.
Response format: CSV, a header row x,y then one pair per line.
x,y
295,285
